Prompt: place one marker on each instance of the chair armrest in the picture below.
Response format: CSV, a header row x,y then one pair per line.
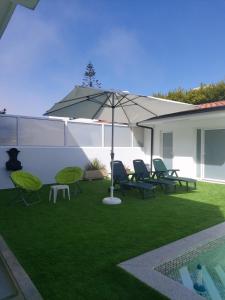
x,y
173,171
159,173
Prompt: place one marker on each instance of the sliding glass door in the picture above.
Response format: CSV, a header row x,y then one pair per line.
x,y
167,149
214,154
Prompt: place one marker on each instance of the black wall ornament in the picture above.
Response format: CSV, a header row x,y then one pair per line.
x,y
13,164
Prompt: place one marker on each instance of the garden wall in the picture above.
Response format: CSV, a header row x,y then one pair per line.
x,y
47,145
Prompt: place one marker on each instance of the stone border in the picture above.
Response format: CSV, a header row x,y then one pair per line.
x,y
24,285
143,266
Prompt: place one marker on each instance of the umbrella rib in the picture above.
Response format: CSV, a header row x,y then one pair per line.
x,y
83,97
100,103
88,99
119,102
103,104
126,114
125,104
148,110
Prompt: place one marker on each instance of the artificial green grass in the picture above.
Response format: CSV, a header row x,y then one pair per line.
x,y
71,249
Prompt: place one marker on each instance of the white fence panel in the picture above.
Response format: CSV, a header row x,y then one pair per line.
x,y
8,131
83,135
39,132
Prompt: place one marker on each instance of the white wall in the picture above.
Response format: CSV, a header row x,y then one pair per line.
x,y
46,161
184,139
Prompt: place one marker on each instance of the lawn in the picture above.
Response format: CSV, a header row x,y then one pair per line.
x,y
71,249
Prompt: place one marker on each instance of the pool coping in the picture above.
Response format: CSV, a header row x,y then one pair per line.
x,y
143,266
18,274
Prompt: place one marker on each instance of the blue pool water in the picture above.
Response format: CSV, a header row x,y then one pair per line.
x,y
201,270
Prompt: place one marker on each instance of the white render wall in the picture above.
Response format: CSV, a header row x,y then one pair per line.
x,y
46,161
183,146
184,139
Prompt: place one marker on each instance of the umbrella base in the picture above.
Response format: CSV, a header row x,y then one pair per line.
x,y
111,201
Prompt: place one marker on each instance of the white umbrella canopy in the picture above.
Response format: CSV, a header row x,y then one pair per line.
x,y
91,103
114,107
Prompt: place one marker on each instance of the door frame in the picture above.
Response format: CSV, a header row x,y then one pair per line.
x,y
161,144
202,163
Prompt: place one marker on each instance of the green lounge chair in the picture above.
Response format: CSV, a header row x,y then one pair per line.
x,y
161,171
120,177
142,174
70,176
27,185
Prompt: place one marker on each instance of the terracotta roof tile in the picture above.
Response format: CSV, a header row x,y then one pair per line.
x,y
212,104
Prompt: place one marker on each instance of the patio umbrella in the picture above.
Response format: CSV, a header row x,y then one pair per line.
x,y
114,107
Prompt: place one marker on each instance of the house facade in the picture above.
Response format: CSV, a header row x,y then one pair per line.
x,y
192,141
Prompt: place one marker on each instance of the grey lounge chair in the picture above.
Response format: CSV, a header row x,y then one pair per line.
x,y
161,171
121,178
142,174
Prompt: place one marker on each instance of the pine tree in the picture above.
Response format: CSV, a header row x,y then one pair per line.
x,y
89,77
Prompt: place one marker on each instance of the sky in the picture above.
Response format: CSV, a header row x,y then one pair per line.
x,y
143,47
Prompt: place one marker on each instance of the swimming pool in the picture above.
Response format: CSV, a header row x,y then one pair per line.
x,y
201,270
190,268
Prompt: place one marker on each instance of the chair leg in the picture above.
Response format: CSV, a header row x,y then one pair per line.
x,y
68,192
75,188
122,189
144,193
23,196
78,186
166,188
50,195
18,196
25,202
54,196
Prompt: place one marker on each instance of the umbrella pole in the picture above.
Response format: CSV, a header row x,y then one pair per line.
x,y
112,149
112,200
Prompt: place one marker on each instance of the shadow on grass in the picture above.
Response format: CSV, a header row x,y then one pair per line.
x,y
71,249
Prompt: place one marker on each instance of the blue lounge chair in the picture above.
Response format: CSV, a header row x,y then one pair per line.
x,y
161,171
142,174
121,178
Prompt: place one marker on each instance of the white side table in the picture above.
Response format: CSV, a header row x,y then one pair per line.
x,y
54,191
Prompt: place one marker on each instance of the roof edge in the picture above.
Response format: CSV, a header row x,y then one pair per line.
x,y
184,113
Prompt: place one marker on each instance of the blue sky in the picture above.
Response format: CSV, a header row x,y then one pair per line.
x,y
141,46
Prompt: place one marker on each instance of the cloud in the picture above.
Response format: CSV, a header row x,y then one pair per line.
x,y
31,50
74,11
121,48
128,60
27,43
